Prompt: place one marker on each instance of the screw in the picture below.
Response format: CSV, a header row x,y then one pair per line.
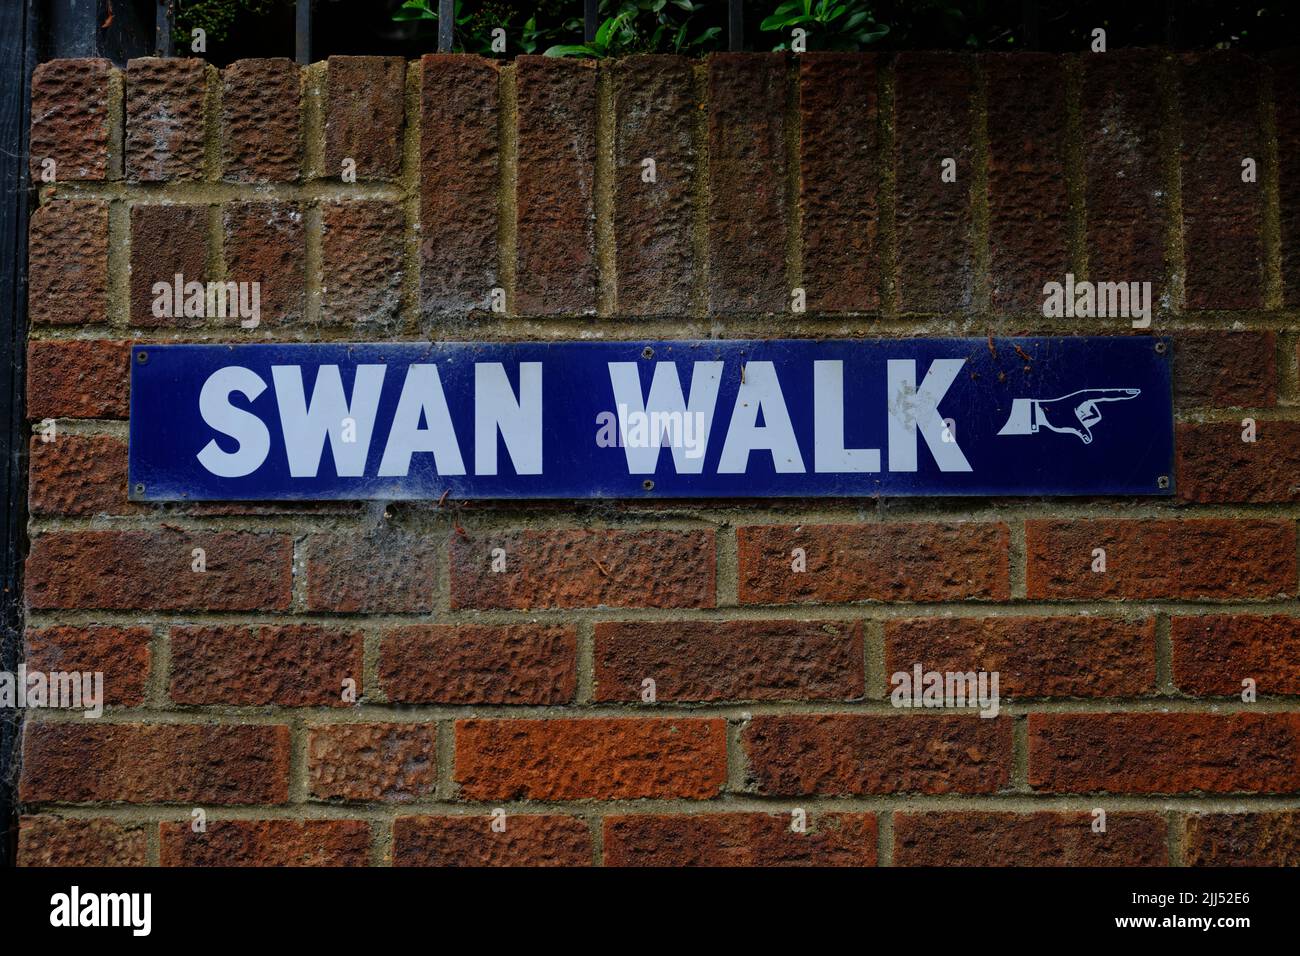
x,y
1161,347
142,357
647,353
648,485
1162,482
139,488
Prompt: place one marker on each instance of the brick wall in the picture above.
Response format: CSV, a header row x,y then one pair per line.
x,y
522,691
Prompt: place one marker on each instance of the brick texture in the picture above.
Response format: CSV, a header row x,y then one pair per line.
x,y
1243,839
166,241
1214,653
266,843
164,119
364,115
67,251
70,120
740,839
83,378
47,840
372,762
527,840
121,654
1028,839
361,249
78,475
1215,464
261,121
265,242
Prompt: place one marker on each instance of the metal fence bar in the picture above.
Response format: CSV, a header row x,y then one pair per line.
x,y
589,17
735,25
302,32
163,17
446,25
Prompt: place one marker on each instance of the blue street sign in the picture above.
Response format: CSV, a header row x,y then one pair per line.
x,y
699,419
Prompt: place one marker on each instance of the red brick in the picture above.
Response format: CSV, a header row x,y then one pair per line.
x,y
70,120
164,119
846,754
749,214
124,570
362,262
1243,839
261,121
1218,559
729,660
1080,656
460,178
584,568
1215,465
1225,369
166,240
78,475
1125,192
394,763
933,95
1286,79
265,242
555,206
1028,839
121,654
78,378
383,571
287,665
479,664
1164,753
1029,208
67,249
1222,216
267,843
528,840
874,562
46,840
740,839
839,175
83,762
364,115
598,758
1213,654
654,109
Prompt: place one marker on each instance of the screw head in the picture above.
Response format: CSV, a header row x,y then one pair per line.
x,y
648,485
139,487
1162,482
142,357
1161,348
647,353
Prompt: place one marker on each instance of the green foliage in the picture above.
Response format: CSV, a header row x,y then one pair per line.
x,y
214,17
645,26
829,24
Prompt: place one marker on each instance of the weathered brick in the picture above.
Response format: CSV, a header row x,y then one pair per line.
x,y
362,262
164,119
729,660
364,115
287,665
82,762
67,249
78,378
1216,465
1125,191
1222,215
740,839
121,654
479,664
166,241
839,176
528,840
459,182
555,205
382,571
1028,839
1164,753
1161,559
78,475
1225,369
1213,654
265,242
1029,208
584,568
125,570
47,840
70,120
395,763
749,214
844,754
1081,656
654,109
874,562
266,843
1286,120
1243,839
933,95
597,758
261,121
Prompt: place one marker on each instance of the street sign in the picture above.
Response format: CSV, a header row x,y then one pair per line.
x,y
696,419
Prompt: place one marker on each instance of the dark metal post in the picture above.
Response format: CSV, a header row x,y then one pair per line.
x,y
164,15
302,32
446,25
1173,24
17,60
735,25
589,16
1029,19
